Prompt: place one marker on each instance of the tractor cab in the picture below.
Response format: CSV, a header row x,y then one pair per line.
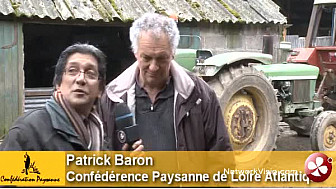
x,y
189,51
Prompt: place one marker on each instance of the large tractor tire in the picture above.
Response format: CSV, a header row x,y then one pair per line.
x,y
323,132
250,109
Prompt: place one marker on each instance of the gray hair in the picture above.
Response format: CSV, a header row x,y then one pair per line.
x,y
156,24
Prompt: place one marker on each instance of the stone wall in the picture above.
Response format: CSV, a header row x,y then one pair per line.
x,y
237,37
228,37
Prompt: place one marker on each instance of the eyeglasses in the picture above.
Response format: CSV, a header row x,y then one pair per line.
x,y
89,74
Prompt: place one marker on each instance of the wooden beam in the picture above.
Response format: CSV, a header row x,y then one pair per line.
x,y
313,25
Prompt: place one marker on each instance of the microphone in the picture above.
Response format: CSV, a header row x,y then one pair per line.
x,y
127,130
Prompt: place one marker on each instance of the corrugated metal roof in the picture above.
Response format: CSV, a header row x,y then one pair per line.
x,y
6,7
131,9
213,11
246,11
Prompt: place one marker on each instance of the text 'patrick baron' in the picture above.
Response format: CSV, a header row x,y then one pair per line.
x,y
105,160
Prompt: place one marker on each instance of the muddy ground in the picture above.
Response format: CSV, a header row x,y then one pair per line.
x,y
289,140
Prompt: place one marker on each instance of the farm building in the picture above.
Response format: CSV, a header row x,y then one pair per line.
x,y
34,32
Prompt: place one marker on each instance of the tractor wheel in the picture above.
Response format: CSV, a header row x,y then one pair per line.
x,y
323,132
250,109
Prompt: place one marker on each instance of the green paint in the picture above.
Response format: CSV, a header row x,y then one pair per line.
x,y
233,12
220,60
186,58
11,75
289,70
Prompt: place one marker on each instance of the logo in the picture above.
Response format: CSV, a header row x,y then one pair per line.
x,y
29,167
121,136
318,167
25,171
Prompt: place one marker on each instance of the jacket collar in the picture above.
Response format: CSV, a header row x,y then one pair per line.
x,y
183,84
61,122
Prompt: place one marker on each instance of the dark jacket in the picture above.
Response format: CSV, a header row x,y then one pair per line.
x,y
42,130
199,124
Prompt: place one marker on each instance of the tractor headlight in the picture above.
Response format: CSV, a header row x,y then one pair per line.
x,y
205,70
287,85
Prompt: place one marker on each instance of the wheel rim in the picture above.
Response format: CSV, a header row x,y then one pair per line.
x,y
240,118
329,136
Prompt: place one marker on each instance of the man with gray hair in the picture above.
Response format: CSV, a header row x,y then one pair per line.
x,y
174,109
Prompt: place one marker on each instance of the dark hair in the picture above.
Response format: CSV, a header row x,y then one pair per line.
x,y
83,49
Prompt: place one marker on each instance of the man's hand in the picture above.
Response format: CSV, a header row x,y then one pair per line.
x,y
137,146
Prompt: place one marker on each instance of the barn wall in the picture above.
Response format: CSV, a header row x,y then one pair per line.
x,y
228,37
11,74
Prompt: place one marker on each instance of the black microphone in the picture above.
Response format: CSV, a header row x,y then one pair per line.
x,y
127,130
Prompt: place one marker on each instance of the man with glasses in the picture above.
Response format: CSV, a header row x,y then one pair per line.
x,y
69,121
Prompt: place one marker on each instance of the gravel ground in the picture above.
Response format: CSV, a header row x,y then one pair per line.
x,y
289,140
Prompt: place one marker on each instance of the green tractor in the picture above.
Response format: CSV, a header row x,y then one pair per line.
x,y
255,95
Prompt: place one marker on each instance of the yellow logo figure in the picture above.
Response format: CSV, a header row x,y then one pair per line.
x,y
29,166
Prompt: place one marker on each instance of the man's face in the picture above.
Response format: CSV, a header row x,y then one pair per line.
x,y
154,56
80,90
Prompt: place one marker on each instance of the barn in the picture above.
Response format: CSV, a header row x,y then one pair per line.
x,y
34,32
